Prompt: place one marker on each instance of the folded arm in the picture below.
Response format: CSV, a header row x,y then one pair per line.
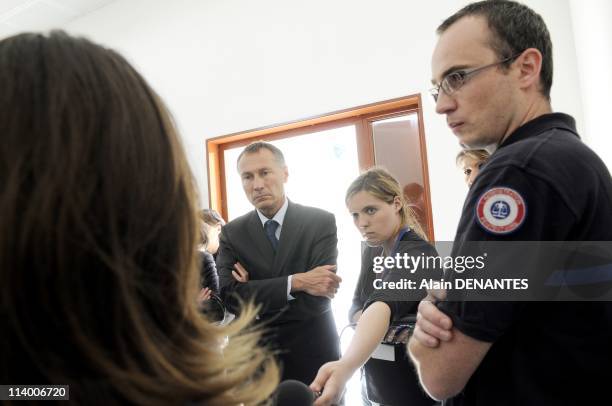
x,y
270,293
320,278
445,370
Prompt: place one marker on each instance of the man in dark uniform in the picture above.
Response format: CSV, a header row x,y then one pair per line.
x,y
492,68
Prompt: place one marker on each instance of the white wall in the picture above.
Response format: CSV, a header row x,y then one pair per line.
x,y
225,66
593,33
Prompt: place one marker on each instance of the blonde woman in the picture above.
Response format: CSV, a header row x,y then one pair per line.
x,y
470,162
376,203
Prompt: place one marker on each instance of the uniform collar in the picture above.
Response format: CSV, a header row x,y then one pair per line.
x,y
539,125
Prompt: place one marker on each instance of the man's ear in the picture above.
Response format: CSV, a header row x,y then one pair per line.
x,y
285,173
530,66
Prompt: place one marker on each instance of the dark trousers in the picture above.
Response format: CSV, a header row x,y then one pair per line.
x,y
303,346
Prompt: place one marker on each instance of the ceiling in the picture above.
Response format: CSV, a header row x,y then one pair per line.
x,y
39,15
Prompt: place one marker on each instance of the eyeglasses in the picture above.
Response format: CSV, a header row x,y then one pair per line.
x,y
455,80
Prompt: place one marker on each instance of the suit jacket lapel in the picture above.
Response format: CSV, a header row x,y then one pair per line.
x,y
292,227
259,238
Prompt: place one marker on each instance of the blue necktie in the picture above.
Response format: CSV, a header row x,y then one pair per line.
x,y
270,227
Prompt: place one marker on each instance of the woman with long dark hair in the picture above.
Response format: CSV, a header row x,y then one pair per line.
x,y
98,272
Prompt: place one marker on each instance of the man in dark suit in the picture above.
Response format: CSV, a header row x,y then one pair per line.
x,y
282,256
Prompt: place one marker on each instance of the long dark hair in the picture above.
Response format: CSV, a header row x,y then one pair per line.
x,y
98,213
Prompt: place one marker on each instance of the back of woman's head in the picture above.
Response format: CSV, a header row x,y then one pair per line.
x,y
382,185
99,228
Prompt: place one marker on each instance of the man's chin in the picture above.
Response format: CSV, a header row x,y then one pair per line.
x,y
465,140
262,205
471,141
265,207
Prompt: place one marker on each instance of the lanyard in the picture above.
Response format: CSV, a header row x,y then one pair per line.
x,y
400,235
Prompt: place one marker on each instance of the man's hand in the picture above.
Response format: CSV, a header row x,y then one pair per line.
x,y
319,281
432,324
240,274
331,380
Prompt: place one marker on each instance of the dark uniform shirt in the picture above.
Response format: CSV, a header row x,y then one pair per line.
x,y
552,188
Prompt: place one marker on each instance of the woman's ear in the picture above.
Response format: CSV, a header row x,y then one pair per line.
x,y
397,203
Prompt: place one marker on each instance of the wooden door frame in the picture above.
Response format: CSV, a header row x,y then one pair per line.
x,y
359,116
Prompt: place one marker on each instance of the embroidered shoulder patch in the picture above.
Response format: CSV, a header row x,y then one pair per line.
x,y
501,210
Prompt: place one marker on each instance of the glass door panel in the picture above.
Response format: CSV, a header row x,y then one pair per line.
x,y
397,147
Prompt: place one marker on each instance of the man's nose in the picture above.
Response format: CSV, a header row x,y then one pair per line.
x,y
258,182
445,103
